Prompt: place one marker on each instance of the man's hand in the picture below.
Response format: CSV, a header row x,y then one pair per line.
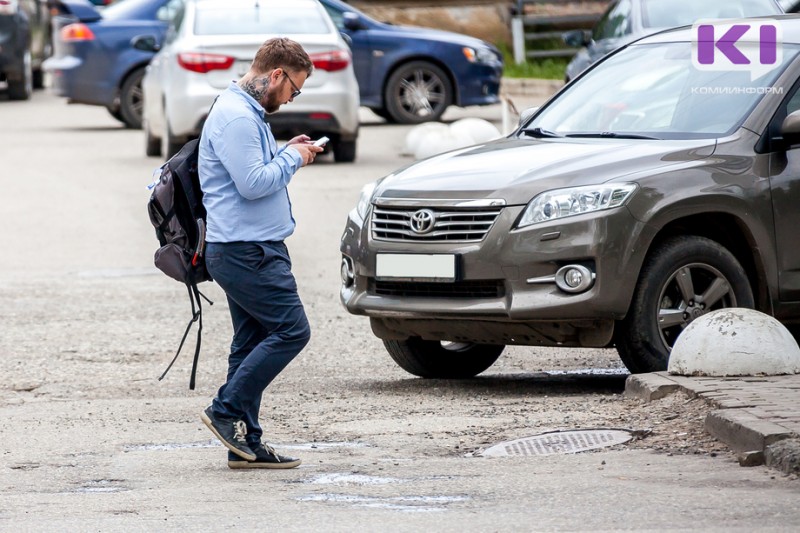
x,y
300,139
307,151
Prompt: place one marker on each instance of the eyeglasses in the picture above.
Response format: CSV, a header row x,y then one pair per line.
x,y
296,91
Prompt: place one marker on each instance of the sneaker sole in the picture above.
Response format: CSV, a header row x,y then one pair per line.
x,y
244,455
244,465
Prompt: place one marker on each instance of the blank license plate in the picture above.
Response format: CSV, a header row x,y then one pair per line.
x,y
428,267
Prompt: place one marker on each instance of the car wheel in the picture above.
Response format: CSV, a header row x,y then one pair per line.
x,y
37,79
683,279
435,359
115,112
22,89
152,144
418,92
170,145
131,100
344,151
382,112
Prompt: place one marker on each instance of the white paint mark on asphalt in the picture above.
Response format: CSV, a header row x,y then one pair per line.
x,y
414,504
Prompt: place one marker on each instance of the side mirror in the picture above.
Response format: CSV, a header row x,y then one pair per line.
x,y
526,115
790,129
352,21
146,43
576,38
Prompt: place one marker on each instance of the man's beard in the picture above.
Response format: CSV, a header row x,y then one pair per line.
x,y
273,104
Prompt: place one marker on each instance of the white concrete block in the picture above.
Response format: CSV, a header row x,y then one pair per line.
x,y
735,342
432,138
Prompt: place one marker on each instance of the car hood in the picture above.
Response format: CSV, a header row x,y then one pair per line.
x,y
516,170
428,34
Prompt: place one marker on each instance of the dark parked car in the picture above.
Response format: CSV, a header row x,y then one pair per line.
x,y
646,193
411,75
95,61
627,20
24,44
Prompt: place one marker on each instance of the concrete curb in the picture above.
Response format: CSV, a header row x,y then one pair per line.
x,y
738,420
743,431
532,87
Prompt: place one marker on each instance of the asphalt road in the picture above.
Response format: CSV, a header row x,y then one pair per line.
x,y
91,441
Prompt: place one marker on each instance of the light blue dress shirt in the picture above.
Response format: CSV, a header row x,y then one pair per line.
x,y
243,173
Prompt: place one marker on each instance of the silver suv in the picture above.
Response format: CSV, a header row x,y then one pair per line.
x,y
214,41
645,194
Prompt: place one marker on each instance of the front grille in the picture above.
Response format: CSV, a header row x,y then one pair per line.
x,y
449,225
427,289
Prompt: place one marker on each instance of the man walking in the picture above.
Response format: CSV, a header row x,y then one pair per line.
x,y
244,175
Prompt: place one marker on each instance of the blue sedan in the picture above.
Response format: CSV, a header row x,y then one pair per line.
x,y
96,60
411,75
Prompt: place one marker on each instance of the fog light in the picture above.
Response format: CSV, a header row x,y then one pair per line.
x,y
348,275
574,278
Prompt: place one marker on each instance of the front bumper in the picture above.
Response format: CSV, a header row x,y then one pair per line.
x,y
518,311
479,84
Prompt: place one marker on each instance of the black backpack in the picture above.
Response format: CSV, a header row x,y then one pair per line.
x,y
177,213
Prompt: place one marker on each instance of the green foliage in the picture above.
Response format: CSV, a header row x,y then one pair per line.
x,y
551,68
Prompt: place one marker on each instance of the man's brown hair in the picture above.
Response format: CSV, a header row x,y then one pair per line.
x,y
284,53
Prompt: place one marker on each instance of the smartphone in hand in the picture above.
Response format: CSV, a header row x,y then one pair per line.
x,y
322,141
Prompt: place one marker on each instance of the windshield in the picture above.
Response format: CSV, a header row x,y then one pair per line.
x,y
259,19
654,90
672,13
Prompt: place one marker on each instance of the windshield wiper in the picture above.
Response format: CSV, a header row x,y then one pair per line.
x,y
540,132
612,135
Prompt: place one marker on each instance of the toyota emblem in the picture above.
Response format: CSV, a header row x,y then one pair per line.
x,y
422,221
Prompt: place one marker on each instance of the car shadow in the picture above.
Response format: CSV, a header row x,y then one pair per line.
x,y
92,129
528,384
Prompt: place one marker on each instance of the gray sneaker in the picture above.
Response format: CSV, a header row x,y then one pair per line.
x,y
230,431
266,457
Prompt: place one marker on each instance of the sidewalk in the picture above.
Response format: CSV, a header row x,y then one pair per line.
x,y
758,416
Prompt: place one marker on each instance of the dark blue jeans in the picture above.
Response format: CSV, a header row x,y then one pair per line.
x,y
269,323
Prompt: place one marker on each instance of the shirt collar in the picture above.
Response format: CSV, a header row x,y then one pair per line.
x,y
247,98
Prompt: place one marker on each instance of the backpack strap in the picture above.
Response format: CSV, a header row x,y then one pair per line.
x,y
197,316
196,296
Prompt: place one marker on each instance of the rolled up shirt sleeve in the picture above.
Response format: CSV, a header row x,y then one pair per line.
x,y
242,154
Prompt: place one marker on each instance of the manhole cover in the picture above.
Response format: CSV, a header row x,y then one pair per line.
x,y
560,442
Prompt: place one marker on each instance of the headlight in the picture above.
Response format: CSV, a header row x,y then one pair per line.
x,y
562,203
479,55
365,199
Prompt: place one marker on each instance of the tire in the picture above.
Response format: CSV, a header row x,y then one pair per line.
x,y
381,112
152,145
681,280
37,79
434,359
38,73
22,89
170,145
114,112
131,100
344,151
417,92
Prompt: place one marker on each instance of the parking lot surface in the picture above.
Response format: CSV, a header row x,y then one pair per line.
x,y
93,441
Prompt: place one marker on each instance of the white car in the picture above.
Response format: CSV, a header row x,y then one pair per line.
x,y
213,42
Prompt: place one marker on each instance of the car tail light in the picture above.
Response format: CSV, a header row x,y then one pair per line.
x,y
8,7
202,63
331,61
76,32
